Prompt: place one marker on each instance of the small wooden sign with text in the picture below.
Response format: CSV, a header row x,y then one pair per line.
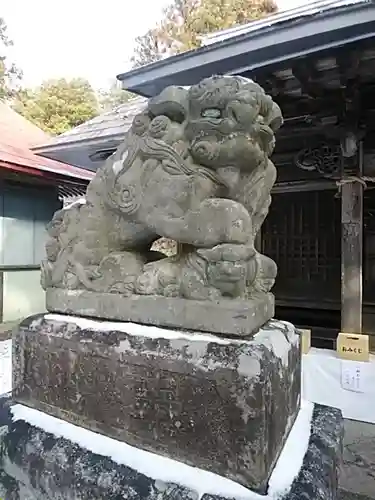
x,y
353,347
305,340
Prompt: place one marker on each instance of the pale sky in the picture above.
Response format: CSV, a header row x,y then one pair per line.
x,y
93,39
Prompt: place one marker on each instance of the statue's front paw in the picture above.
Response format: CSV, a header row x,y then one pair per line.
x,y
125,289
202,293
147,284
196,289
172,290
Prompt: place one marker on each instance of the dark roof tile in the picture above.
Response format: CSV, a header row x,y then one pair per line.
x,y
116,122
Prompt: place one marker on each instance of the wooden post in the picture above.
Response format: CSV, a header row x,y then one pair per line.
x,y
352,250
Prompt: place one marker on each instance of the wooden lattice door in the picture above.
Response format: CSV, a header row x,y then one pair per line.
x,y
369,247
302,235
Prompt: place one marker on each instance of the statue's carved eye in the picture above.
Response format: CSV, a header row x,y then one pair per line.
x,y
211,113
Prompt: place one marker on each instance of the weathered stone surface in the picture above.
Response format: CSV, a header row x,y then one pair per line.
x,y
324,456
35,464
223,405
193,168
359,459
347,495
318,477
227,317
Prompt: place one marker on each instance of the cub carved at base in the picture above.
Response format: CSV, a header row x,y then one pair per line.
x,y
195,168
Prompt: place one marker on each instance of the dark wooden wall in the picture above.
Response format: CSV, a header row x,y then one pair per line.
x,y
302,233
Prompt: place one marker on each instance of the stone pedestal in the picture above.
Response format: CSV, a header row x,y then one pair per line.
x,y
240,317
220,404
38,464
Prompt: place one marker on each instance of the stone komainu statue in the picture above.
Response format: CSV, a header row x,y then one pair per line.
x,y
195,168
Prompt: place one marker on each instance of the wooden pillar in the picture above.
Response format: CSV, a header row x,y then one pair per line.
x,y
352,248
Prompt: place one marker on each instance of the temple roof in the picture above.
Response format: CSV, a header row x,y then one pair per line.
x,y
17,135
302,57
98,135
259,45
17,131
111,123
309,9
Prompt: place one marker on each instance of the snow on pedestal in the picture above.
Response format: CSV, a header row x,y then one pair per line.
x,y
170,471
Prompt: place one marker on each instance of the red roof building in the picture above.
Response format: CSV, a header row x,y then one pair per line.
x,y
17,136
32,188
15,129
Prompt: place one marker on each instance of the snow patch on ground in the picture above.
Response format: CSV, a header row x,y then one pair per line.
x,y
170,471
5,366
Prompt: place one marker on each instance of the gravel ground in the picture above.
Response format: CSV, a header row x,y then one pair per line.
x,y
346,495
358,474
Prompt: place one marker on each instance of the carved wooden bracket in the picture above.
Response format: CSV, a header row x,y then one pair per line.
x,y
325,159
